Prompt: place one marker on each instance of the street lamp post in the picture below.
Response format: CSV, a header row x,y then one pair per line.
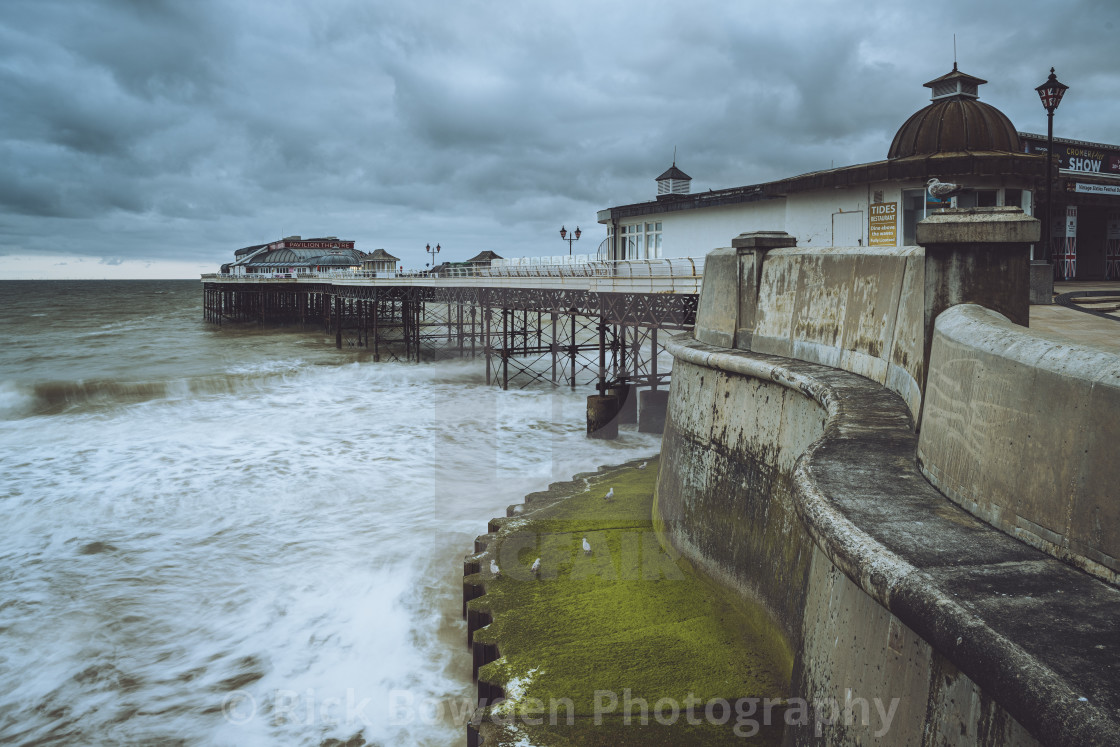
x,y
1051,93
574,237
432,254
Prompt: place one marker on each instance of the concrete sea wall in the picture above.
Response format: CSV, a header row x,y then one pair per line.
x,y
740,498
793,470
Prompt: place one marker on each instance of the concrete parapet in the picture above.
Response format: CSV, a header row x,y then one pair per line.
x,y
797,484
866,310
859,309
1023,432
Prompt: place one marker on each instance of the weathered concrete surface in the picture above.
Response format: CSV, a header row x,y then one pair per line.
x,y
859,309
718,308
898,593
1004,435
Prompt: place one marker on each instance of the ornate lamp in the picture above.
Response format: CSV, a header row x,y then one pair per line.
x,y
574,237
1051,93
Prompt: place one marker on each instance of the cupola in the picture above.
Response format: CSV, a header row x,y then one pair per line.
x,y
955,122
673,182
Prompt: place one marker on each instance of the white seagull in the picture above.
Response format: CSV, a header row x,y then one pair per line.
x,y
586,546
537,566
609,495
494,569
642,465
941,190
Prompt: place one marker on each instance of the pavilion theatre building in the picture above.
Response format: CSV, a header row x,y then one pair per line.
x,y
292,256
956,138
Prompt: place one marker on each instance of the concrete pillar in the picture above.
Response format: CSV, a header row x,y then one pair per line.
x,y
601,420
652,408
980,256
751,249
627,397
726,310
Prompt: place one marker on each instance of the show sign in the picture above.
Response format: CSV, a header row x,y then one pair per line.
x,y
1071,155
883,224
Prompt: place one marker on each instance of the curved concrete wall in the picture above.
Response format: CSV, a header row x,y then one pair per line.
x,y
738,424
1006,434
728,455
883,588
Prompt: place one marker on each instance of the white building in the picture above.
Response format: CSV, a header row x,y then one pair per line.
x,y
956,138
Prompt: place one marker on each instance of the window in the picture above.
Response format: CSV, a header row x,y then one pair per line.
x,y
653,241
630,241
1013,198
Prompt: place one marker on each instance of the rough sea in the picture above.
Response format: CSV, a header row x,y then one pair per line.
x,y
241,535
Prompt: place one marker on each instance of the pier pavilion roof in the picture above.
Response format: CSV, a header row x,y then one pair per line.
x,y
380,255
306,258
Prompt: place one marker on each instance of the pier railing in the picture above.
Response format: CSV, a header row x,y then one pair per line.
x,y
677,275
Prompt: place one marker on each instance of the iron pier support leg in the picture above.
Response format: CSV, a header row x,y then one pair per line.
x,y
505,347
572,351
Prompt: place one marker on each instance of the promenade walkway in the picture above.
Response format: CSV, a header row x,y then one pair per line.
x,y
1069,325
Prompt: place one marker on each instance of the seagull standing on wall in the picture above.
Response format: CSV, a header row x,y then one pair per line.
x,y
494,569
586,546
537,567
609,495
941,190
642,465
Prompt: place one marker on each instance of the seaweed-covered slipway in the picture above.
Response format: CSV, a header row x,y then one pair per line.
x,y
897,500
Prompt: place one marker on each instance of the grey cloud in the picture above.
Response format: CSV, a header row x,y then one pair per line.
x,y
157,129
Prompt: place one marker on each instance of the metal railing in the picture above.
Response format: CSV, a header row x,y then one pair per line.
x,y
680,274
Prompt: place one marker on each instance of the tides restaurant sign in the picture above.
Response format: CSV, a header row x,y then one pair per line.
x,y
1075,155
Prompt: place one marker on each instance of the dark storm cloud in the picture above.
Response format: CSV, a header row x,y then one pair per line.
x,y
135,128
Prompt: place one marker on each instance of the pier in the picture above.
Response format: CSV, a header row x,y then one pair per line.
x,y
597,323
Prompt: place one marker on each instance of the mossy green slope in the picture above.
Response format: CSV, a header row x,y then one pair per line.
x,y
625,619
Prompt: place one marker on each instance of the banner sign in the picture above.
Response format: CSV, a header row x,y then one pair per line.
x,y
1097,189
883,228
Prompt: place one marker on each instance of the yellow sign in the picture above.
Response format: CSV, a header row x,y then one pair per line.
x,y
883,230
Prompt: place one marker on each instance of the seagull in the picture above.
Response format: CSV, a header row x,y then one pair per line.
x,y
609,495
497,572
537,566
941,189
586,546
642,465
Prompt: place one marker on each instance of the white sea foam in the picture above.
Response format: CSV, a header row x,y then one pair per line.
x,y
295,543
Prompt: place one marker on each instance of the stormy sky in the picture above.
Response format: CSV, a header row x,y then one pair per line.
x,y
151,138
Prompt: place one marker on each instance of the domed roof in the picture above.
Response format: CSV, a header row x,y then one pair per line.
x,y
955,122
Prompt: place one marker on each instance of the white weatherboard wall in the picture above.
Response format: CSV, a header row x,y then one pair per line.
x,y
694,233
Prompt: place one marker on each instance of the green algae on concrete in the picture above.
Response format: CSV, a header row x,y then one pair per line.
x,y
625,624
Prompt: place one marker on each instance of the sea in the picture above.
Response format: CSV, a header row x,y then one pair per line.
x,y
241,535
